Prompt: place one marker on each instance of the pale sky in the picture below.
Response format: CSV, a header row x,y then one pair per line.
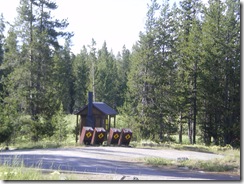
x,y
118,22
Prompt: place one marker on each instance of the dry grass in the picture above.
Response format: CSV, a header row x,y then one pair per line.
x,y
230,163
23,173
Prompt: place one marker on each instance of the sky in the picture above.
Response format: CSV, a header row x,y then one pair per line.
x,y
118,22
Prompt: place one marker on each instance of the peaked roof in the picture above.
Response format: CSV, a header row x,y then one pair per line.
x,y
104,108
101,106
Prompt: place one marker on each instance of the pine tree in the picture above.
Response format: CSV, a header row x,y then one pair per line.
x,y
31,81
164,72
8,98
141,80
93,67
221,69
232,74
81,78
2,28
189,39
60,125
64,76
123,68
212,70
106,79
6,126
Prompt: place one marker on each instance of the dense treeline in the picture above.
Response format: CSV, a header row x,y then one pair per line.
x,y
181,77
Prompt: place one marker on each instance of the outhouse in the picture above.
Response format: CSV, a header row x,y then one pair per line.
x,y
95,114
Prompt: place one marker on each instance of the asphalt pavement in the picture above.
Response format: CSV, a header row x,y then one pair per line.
x,y
118,161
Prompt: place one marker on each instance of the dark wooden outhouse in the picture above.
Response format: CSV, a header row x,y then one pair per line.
x,y
95,114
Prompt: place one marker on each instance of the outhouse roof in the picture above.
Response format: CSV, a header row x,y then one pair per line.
x,y
104,108
101,106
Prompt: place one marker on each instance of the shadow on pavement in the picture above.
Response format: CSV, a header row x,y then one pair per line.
x,y
99,165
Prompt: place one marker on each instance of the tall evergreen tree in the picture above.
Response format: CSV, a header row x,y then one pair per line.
x,y
141,80
189,38
123,65
81,73
164,71
221,42
232,74
64,76
213,65
6,128
31,82
93,64
106,79
2,28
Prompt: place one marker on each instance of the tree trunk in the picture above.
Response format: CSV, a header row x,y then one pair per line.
x,y
31,95
195,103
190,127
77,128
207,135
180,129
161,128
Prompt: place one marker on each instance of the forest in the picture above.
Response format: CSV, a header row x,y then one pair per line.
x,y
182,76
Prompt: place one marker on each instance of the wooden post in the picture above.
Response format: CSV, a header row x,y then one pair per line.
x,y
109,123
114,120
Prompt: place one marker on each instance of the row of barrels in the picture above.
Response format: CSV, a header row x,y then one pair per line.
x,y
98,135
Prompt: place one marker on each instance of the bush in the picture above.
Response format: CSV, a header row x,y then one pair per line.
x,y
6,123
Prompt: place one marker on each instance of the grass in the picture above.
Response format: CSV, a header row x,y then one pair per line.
x,y
171,145
41,145
215,165
17,171
230,162
20,172
23,173
185,147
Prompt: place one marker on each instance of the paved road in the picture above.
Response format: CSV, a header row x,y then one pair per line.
x,y
121,161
